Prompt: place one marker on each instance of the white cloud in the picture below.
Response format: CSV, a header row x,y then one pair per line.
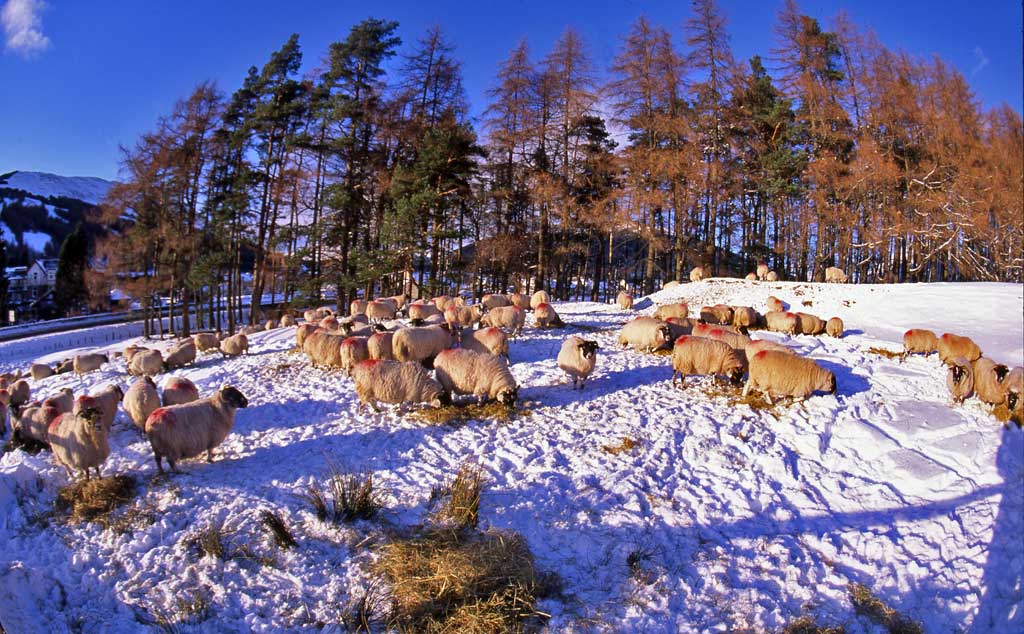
x,y
982,60
23,26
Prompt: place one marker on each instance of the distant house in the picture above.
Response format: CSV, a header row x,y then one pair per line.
x,y
42,275
17,286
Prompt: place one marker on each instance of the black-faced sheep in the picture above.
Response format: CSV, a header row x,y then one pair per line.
x,y
645,334
187,430
396,382
577,358
960,379
697,355
485,376
79,440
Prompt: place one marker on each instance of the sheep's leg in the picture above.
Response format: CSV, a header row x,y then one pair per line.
x,y
674,375
174,467
746,389
159,466
209,454
768,397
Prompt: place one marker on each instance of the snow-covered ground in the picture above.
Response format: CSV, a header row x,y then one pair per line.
x,y
740,519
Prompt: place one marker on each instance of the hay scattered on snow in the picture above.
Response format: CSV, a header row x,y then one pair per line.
x,y
464,413
95,499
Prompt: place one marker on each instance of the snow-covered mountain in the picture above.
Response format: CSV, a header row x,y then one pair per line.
x,y
38,210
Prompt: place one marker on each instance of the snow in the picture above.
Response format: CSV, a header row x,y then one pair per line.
x,y
36,240
743,519
6,234
85,188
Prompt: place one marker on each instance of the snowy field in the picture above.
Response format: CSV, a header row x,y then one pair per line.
x,y
735,519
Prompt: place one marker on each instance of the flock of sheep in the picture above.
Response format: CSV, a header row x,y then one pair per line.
x,y
467,346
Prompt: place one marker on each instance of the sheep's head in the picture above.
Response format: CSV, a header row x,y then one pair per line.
x,y
736,375
118,390
379,328
93,417
233,397
1011,400
508,396
1001,372
443,399
416,323
958,373
588,349
665,332
832,384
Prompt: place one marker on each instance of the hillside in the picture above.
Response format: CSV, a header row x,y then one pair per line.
x,y
39,210
717,517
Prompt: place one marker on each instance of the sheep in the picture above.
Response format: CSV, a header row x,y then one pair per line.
x,y
357,307
751,277
396,382
146,362
540,297
919,340
5,397
352,351
624,300
506,317
420,344
577,358
679,326
495,300
990,381
645,334
680,310
544,316
670,284
65,366
960,379
248,330
205,341
351,329
398,301
32,422
482,375
323,311
784,374
380,345
779,321
757,345
329,323
180,355
20,393
952,347
309,316
189,429
519,300
422,311
462,316
390,301
177,390
701,329
79,441
270,324
442,302
324,348
717,314
697,355
834,274
697,274
771,276
302,332
1014,386
744,318
810,324
490,340
235,345
762,270
105,401
834,327
380,310
731,339
775,304
63,401
140,400
287,320
40,371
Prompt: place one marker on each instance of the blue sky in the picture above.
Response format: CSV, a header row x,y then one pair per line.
x,y
79,78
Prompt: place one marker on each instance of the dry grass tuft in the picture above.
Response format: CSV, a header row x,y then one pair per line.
x,y
807,625
462,414
884,352
627,444
460,498
278,529
733,394
346,497
95,499
364,612
449,582
188,611
663,352
867,603
210,542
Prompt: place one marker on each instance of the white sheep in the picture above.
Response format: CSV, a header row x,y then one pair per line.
x,y
508,318
810,324
698,355
577,358
419,310
324,348
751,277
952,347
645,334
40,371
205,341
834,327
780,321
329,323
105,401
140,401
63,401
624,300
187,430
784,374
744,318
919,340
490,340
520,300
757,345
495,300
83,363
762,270
183,353
357,307
302,332
287,320
177,390
146,362
836,275
460,316
20,392
324,311
352,351
380,310
310,316
665,311
960,379
772,276
775,304
396,382
540,297
79,441
697,274
485,376
420,344
235,345
380,345
732,339
544,316
718,314
990,381
33,421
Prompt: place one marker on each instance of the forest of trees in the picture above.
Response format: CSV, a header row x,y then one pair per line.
x,y
576,179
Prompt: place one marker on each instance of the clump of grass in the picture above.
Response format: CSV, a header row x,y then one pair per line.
x,y
366,610
460,498
807,625
663,352
636,561
733,394
188,610
346,497
278,529
807,302
210,542
627,444
883,352
865,602
472,583
95,499
464,413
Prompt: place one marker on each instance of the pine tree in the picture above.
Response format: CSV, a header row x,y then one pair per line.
x,y
70,292
4,283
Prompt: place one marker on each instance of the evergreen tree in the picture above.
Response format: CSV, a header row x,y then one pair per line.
x,y
70,292
4,283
